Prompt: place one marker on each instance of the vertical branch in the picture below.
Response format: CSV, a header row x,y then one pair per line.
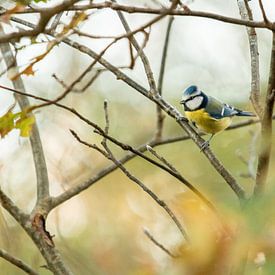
x,y
160,116
36,144
266,127
50,253
246,14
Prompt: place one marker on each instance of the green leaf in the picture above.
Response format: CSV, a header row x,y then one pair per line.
x,y
37,1
7,123
25,124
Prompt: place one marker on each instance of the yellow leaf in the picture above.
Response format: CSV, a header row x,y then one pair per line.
x,y
78,18
25,124
6,123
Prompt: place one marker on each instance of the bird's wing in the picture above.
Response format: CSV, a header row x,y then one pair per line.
x,y
218,110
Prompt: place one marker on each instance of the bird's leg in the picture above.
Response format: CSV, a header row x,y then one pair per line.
x,y
206,143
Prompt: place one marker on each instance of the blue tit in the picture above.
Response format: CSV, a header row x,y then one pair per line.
x,y
207,113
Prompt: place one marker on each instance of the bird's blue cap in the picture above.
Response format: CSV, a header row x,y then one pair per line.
x,y
190,90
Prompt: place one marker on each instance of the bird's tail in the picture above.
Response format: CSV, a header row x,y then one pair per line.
x,y
245,113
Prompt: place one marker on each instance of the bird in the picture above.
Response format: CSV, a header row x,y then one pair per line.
x,y
208,114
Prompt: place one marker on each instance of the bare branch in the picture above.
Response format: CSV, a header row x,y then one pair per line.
x,y
160,202
36,145
140,52
154,241
45,15
263,12
17,262
162,159
246,13
169,109
266,130
176,12
12,209
160,116
108,154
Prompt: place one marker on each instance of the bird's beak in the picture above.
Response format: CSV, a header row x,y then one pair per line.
x,y
182,101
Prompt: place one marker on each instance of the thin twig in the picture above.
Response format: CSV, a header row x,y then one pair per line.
x,y
263,12
149,192
162,159
160,116
169,109
158,244
17,262
45,15
108,154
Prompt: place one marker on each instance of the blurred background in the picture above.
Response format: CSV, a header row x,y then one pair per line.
x,y
100,231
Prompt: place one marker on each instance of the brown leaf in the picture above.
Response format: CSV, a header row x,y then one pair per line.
x,y
6,16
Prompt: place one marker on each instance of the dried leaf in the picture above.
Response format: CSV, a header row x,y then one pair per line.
x,y
7,15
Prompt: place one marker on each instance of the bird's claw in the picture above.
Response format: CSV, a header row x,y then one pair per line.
x,y
182,118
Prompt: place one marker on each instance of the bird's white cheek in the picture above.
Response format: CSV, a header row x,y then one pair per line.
x,y
194,103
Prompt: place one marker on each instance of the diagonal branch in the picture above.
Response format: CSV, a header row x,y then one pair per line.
x,y
17,262
144,59
73,191
154,241
263,12
12,209
108,154
45,15
168,108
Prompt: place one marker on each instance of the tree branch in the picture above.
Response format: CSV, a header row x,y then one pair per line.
x,y
266,130
154,241
17,262
169,109
108,154
42,180
45,15
246,14
176,12
160,116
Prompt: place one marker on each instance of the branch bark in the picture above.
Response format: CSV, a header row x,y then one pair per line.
x,y
246,14
266,127
35,140
160,116
17,262
176,12
168,108
50,253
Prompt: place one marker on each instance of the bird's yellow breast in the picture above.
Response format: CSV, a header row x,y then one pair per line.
x,y
206,123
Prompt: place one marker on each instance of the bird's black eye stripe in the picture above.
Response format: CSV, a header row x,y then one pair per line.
x,y
190,98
